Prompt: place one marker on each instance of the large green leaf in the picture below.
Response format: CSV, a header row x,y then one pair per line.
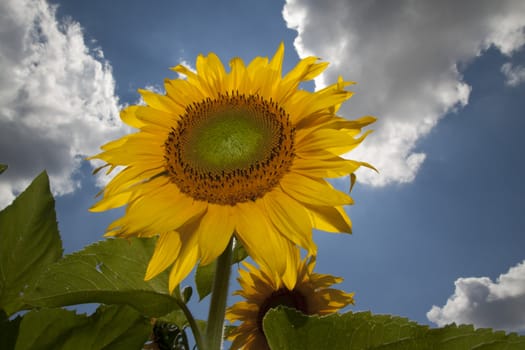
x,y
29,241
8,331
289,329
3,168
204,274
109,272
461,337
113,327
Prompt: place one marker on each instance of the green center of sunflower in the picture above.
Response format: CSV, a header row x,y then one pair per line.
x,y
284,297
231,149
228,140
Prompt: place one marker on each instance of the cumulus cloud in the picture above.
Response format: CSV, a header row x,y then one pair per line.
x,y
514,75
479,301
57,99
405,56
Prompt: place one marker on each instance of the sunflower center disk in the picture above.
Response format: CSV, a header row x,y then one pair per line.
x,y
284,297
231,149
228,140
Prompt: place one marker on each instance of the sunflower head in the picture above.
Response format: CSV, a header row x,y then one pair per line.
x,y
241,152
261,292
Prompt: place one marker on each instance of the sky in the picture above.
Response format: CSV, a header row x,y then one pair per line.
x,y
438,233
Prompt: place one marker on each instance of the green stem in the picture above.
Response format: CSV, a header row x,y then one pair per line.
x,y
214,329
199,341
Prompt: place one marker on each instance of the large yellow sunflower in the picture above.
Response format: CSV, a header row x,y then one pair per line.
x,y
311,295
241,153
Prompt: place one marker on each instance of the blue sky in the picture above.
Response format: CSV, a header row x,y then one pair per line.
x,y
440,225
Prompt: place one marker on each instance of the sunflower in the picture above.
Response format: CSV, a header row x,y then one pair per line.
x,y
243,153
311,295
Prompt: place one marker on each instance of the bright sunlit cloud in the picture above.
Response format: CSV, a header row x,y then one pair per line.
x,y
484,303
57,98
404,56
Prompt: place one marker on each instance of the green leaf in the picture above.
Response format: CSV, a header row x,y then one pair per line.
x,y
176,317
8,331
3,167
204,279
289,329
109,272
461,337
239,253
29,241
113,327
204,274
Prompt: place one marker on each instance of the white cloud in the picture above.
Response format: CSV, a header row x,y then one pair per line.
x,y
57,99
514,75
479,301
404,55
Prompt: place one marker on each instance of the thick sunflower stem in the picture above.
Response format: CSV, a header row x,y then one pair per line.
x,y
219,294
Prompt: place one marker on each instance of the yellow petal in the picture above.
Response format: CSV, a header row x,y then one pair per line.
x,y
322,102
329,121
214,232
238,78
351,146
166,251
324,139
265,245
272,73
290,219
192,76
323,280
241,310
111,145
339,86
256,68
160,208
111,202
290,276
330,219
312,191
276,63
337,299
159,102
212,70
184,93
129,117
185,262
127,178
306,69
327,168
158,117
140,147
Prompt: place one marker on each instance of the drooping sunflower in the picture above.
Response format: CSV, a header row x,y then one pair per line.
x,y
243,153
311,295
